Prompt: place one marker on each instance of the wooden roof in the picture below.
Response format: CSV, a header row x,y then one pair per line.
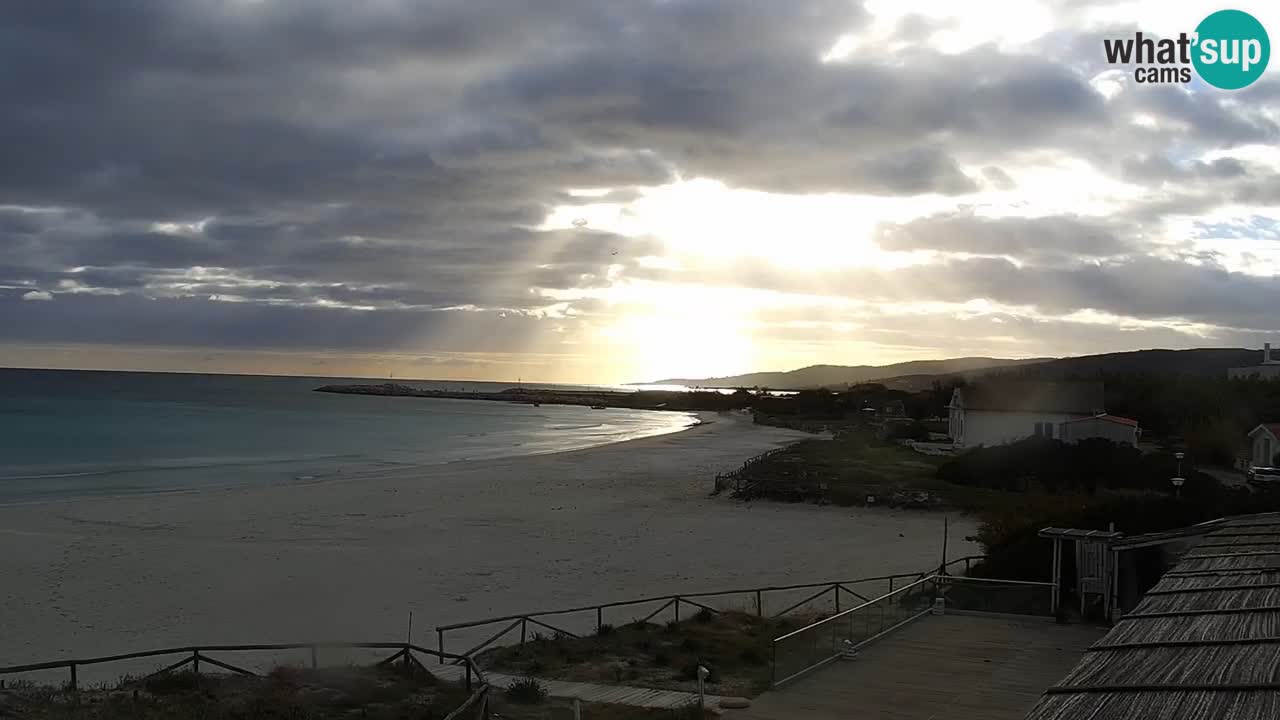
x,y
1202,643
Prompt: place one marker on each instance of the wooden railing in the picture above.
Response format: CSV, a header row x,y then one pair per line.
x,y
473,680
835,591
734,477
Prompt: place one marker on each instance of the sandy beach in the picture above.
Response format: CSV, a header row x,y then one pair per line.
x,y
349,558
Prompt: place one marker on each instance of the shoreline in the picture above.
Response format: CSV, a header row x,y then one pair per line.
x,y
450,543
293,471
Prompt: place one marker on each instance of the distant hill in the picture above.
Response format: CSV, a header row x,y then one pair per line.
x,y
840,375
1200,362
920,374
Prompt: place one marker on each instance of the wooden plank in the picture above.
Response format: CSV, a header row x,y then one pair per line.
x,y
956,666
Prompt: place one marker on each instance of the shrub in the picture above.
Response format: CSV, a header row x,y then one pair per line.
x,y
672,626
604,629
908,431
171,683
751,656
661,659
690,643
527,691
704,616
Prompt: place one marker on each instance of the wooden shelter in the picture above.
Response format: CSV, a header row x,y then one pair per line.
x,y
1203,643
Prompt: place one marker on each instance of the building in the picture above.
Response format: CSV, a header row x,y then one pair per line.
x,y
1120,430
995,413
1268,370
1264,443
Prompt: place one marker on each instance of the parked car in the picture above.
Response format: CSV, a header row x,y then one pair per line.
x,y
1263,475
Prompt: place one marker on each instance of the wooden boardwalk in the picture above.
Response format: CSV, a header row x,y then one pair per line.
x,y
589,692
958,667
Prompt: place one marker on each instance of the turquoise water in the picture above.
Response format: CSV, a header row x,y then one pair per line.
x,y
75,433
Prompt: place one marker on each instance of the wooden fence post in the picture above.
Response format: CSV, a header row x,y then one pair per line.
x,y
599,618
836,588
440,637
677,608
73,676
314,664
759,605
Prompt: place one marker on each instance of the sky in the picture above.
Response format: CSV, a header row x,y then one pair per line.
x,y
619,190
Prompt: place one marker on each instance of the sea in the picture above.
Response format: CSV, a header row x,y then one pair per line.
x,y
75,433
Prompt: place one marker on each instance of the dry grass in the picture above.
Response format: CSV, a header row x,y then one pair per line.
x,y
855,465
735,646
284,694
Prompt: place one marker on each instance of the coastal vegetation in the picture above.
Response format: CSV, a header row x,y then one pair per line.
x,y
855,468
287,693
322,694
735,648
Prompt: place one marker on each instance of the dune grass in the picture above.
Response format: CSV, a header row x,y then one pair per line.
x,y
283,694
734,646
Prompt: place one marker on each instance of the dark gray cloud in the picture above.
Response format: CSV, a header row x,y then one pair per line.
x,y
248,174
1014,236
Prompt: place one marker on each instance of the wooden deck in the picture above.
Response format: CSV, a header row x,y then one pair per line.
x,y
958,667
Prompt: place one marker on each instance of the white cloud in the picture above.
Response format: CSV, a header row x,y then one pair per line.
x,y
37,295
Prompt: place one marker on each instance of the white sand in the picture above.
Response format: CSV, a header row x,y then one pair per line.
x,y
347,559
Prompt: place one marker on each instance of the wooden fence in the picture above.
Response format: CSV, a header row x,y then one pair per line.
x,y
195,655
734,477
835,592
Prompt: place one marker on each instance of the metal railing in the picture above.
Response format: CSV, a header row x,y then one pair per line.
x,y
990,595
767,601
802,651
195,655
813,646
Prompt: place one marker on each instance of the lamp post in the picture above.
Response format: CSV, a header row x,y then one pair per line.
x,y
1178,479
1179,456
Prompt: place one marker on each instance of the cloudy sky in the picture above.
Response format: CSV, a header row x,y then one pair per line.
x,y
619,190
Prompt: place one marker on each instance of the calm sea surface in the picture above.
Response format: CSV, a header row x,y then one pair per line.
x,y
78,432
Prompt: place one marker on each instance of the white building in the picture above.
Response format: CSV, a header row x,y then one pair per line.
x,y
995,413
1264,443
1268,370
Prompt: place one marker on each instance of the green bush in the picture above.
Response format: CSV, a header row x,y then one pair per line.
x,y
172,683
527,691
1056,467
